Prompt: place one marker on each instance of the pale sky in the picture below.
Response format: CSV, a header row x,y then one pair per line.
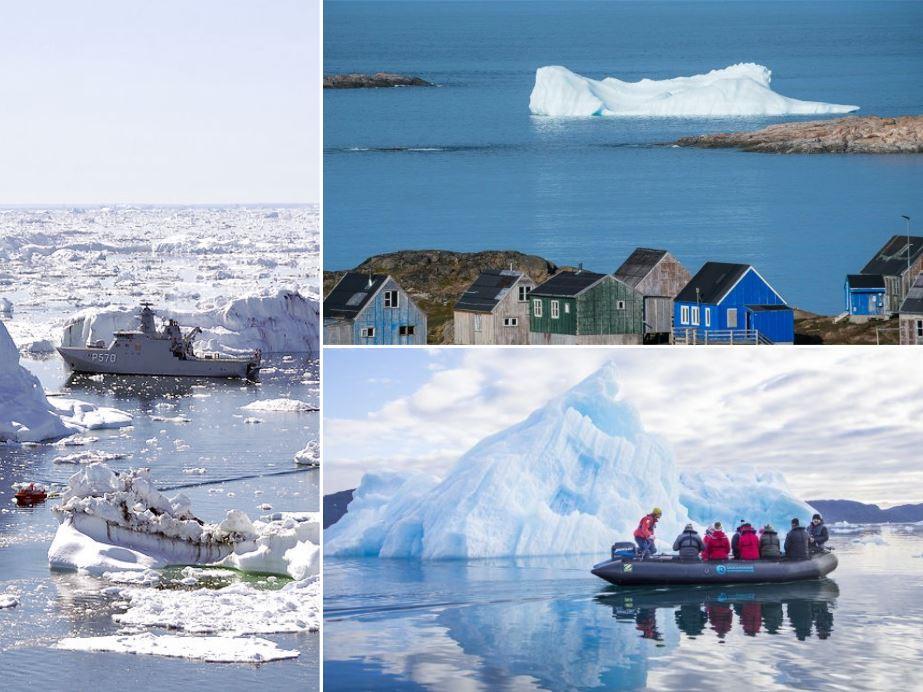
x,y
844,423
166,101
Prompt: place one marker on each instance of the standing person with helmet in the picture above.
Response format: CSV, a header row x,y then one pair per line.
x,y
817,530
644,534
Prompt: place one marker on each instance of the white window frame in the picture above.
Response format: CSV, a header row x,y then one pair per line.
x,y
392,299
477,322
732,311
367,332
694,315
684,314
555,309
537,307
524,292
510,321
566,308
707,317
620,305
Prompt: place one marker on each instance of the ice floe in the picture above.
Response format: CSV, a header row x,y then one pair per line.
x,y
208,649
573,477
738,90
310,455
88,457
279,405
8,600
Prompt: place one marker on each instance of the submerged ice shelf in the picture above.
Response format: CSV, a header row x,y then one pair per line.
x,y
573,477
738,90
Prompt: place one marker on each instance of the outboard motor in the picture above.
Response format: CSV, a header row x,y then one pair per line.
x,y
622,549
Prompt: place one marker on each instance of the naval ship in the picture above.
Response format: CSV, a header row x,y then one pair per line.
x,y
149,351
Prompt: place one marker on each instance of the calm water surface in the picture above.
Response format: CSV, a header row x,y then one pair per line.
x,y
466,167
246,465
548,624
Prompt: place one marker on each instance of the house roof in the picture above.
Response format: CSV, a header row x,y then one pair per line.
x,y
866,281
913,303
891,260
352,293
488,290
713,281
638,265
768,308
567,283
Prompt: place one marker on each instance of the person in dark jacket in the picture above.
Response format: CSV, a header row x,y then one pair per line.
x,y
770,548
735,539
748,545
817,531
796,542
688,543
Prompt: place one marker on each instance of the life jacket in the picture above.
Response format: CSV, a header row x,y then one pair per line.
x,y
646,526
717,546
749,544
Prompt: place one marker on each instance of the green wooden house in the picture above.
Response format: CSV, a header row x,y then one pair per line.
x,y
581,307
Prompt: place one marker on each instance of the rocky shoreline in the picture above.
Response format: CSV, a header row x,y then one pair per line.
x,y
851,135
379,80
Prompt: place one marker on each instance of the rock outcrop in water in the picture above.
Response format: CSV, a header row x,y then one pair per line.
x,y
851,135
378,80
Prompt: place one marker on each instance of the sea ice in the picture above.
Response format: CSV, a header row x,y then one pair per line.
x,y
209,649
309,456
283,405
573,477
88,457
89,416
738,90
8,600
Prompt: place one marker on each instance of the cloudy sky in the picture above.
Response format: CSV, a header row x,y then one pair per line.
x,y
839,423
162,102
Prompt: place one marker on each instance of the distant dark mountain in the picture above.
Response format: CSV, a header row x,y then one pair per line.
x,y
861,513
335,506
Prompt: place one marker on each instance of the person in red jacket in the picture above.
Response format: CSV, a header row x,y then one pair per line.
x,y
644,534
749,543
717,545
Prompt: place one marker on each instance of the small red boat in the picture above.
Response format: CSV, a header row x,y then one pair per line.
x,y
30,494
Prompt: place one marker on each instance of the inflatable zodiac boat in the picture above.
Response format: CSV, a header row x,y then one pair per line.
x,y
626,569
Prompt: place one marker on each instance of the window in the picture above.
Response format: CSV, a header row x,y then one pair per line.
x,y
707,317
406,330
510,321
367,332
920,329
391,299
732,318
524,292
684,314
620,305
537,307
566,308
695,314
477,323
555,309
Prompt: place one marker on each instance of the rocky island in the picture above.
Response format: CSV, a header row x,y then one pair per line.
x,y
379,80
851,135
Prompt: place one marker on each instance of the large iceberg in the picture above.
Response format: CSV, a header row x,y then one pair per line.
x,y
274,321
738,90
577,474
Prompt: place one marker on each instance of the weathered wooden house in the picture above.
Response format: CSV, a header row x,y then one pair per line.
x,y
865,297
494,309
581,307
372,309
911,315
659,277
731,303
897,263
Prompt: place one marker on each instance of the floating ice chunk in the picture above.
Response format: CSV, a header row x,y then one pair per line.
x,y
37,347
284,405
88,457
170,419
90,416
8,600
209,649
196,470
310,455
573,477
738,90
73,551
874,539
6,306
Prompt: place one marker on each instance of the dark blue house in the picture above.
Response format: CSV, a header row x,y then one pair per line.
x,y
731,303
865,296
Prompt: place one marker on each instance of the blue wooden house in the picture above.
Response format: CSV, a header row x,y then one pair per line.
x,y
731,303
866,297
372,309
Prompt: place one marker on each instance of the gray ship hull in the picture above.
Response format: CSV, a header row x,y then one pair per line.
x,y
155,358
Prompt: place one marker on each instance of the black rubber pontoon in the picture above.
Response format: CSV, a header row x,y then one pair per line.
x,y
670,569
